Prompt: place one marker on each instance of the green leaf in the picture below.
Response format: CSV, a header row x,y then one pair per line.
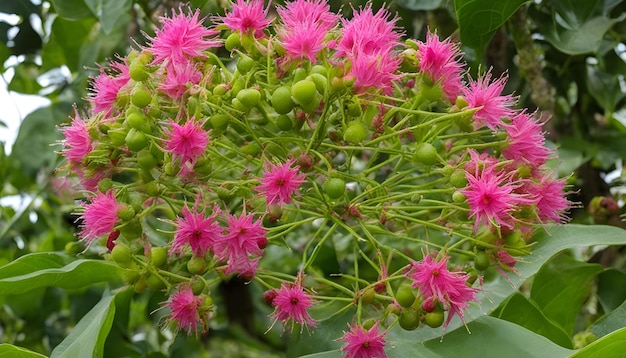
x,y
610,346
25,78
611,289
561,287
47,269
5,53
111,13
9,350
71,9
572,14
88,337
419,5
479,20
65,43
610,322
521,310
604,88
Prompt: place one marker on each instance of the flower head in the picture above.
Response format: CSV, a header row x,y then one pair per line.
x,y
186,309
526,141
550,199
491,198
195,230
304,29
440,61
188,141
242,245
486,96
248,17
178,78
77,141
292,303
100,216
280,182
436,282
364,343
375,71
182,37
106,86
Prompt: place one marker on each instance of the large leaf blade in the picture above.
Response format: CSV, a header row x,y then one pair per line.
x,y
9,350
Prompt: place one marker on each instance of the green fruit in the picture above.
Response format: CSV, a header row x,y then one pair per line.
x,y
281,100
319,69
320,81
458,179
197,285
138,71
140,97
105,185
196,265
355,133
304,92
426,153
126,212
135,120
146,160
130,277
220,90
409,319
136,140
141,284
284,123
73,248
458,197
434,319
158,256
405,295
153,189
252,149
249,97
122,255
368,296
155,282
219,121
481,261
298,74
232,41
354,107
245,64
335,187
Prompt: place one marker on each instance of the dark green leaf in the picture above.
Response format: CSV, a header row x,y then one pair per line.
x,y
9,350
88,337
33,262
604,88
585,39
419,5
572,14
611,289
609,346
25,78
561,287
72,9
111,13
66,41
610,322
76,274
523,311
479,20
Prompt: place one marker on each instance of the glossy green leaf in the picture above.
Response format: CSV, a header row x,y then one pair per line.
x,y
25,78
49,272
479,20
572,14
561,287
604,88
419,5
610,346
611,289
71,9
521,310
88,337
111,13
610,322
9,350
66,42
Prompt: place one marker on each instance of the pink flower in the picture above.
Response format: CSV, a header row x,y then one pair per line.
x,y
77,141
491,198
242,245
436,282
526,141
106,86
305,25
441,62
186,309
100,217
178,79
187,142
375,71
362,343
196,231
368,33
248,17
550,199
292,303
280,182
486,96
182,37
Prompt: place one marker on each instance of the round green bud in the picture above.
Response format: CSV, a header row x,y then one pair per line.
x,y
249,97
196,265
122,255
284,123
146,160
232,41
138,71
355,133
458,197
281,100
458,178
481,261
136,140
140,97
409,319
426,153
158,256
304,92
335,187
245,64
405,295
155,282
434,319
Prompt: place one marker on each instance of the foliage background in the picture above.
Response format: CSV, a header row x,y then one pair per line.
x,y
564,58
